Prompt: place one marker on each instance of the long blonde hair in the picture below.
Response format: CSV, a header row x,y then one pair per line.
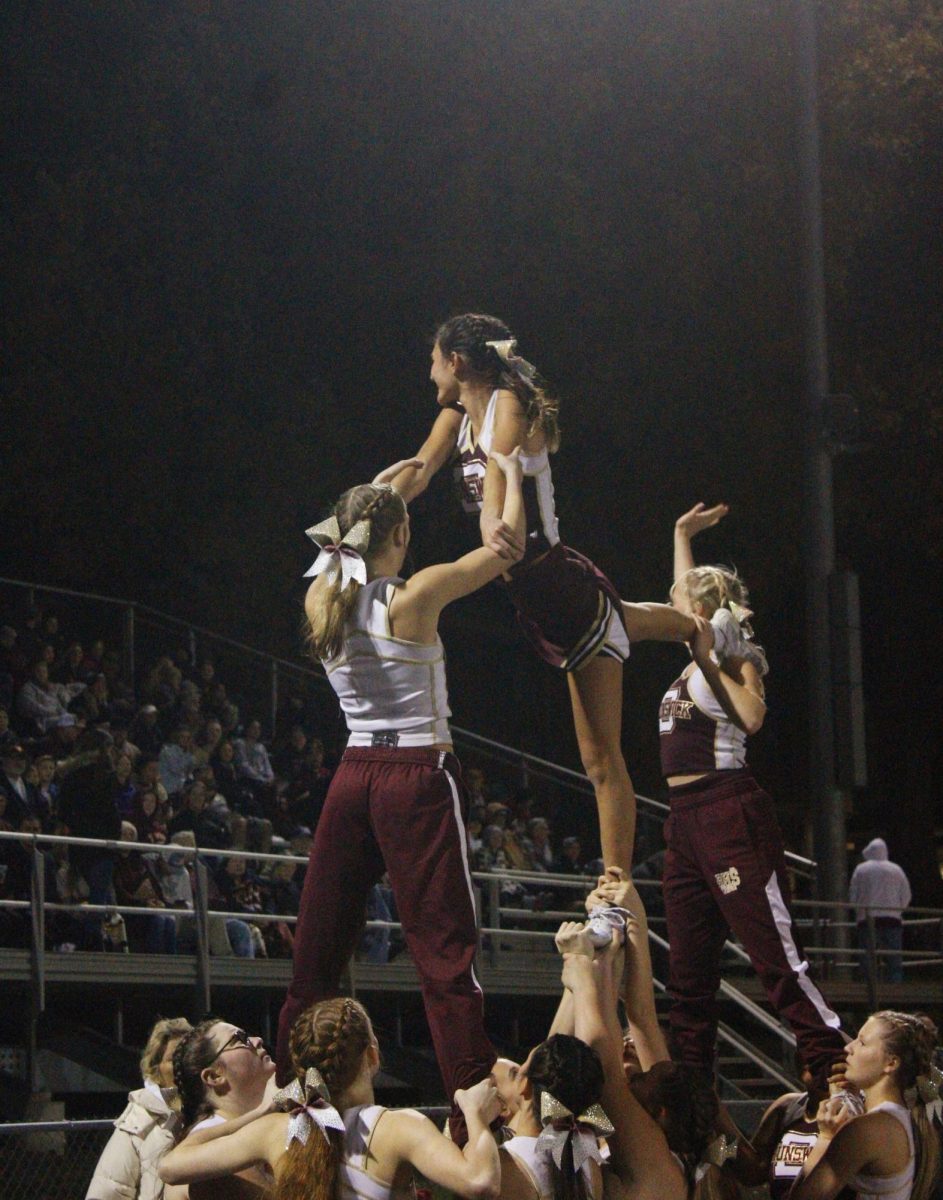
x,y
327,605
913,1040
330,1036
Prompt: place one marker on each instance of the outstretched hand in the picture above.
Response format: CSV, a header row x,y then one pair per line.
x,y
389,473
699,518
573,938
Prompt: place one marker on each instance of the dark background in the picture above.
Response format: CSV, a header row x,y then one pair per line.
x,y
230,229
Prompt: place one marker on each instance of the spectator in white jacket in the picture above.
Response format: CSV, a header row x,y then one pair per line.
x,y
127,1169
880,889
43,702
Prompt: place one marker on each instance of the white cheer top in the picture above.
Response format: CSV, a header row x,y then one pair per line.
x,y
889,1187
392,692
354,1181
524,1150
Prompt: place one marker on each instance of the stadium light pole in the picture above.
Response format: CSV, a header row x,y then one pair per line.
x,y
828,801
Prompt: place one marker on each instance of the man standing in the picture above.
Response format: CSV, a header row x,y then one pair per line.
x,y
880,890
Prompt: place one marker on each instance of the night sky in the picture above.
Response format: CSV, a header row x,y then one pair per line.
x,y
230,229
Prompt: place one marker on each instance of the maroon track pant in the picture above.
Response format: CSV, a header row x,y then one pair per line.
x,y
402,811
725,870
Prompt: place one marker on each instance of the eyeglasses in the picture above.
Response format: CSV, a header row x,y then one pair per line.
x,y
239,1039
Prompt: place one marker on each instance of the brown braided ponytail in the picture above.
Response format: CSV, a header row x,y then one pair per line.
x,y
327,607
331,1036
913,1039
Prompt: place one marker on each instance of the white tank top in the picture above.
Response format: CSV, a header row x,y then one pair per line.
x,y
523,1149
543,530
392,692
889,1187
354,1181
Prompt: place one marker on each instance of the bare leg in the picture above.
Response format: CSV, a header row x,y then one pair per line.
x,y
656,623
596,696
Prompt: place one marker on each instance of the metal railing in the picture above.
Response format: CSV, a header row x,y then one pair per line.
x,y
507,932
133,616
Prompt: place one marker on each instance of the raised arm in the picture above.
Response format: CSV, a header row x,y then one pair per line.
x,y
510,430
474,1170
639,1154
435,452
416,606
742,700
638,989
689,526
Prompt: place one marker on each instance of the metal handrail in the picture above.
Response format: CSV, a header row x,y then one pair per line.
x,y
577,780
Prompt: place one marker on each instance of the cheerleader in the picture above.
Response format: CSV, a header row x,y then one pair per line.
x,y
396,803
725,867
491,400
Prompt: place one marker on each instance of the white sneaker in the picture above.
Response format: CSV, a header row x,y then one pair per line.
x,y
728,636
602,922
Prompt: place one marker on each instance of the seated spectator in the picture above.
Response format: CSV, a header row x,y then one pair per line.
x,y
137,884
16,873
188,711
22,800
92,659
570,861
68,669
307,789
148,779
240,894
227,935
12,660
289,758
193,815
41,703
47,790
281,895
216,700
119,734
124,786
50,633
71,931
207,743
94,704
491,856
175,761
162,685
148,819
205,677
145,731
218,806
61,739
230,783
476,822
253,765
541,851
7,736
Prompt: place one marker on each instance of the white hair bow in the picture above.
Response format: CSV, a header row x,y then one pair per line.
x,y
341,556
716,1154
309,1104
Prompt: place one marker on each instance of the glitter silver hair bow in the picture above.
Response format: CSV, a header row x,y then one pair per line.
x,y
505,351
309,1104
928,1091
561,1126
717,1153
341,555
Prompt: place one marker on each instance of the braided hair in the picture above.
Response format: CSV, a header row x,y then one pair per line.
x,y
572,1073
331,1036
468,335
327,606
912,1040
720,587
683,1102
194,1053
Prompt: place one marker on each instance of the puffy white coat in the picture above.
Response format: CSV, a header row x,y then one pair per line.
x,y
127,1169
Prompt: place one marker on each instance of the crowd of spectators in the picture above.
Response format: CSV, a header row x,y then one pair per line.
x,y
176,758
